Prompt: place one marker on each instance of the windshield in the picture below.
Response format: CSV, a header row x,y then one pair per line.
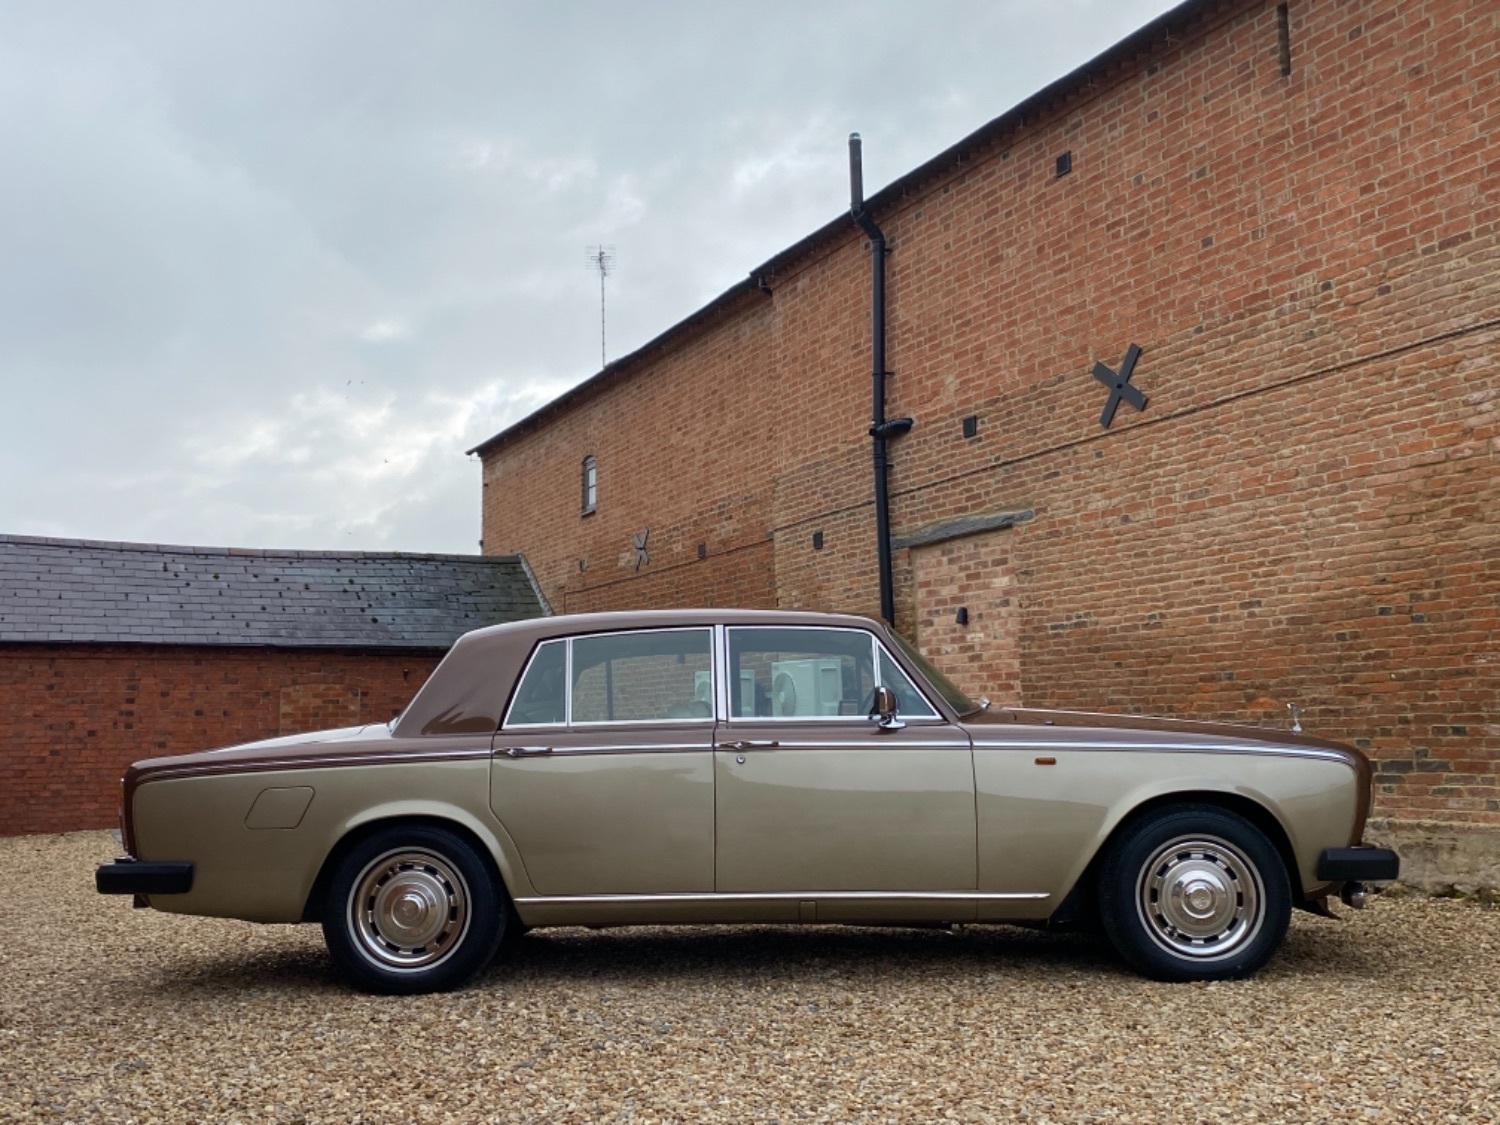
x,y
946,688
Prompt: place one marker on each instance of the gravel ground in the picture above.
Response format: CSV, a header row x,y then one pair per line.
x,y
109,1013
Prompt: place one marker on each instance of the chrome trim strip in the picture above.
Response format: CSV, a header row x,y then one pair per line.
x,y
793,745
304,762
779,896
876,648
591,749
501,744
1150,748
722,696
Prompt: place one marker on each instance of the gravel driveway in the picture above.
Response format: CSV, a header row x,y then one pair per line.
x,y
109,1013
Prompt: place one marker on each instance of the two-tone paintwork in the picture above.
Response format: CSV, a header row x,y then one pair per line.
x,y
990,816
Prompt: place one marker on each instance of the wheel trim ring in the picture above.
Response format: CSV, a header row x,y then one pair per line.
x,y
409,909
1201,898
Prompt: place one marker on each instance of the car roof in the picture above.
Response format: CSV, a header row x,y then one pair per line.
x,y
569,624
467,691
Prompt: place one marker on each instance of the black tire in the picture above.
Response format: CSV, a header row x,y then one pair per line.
x,y
413,908
1194,892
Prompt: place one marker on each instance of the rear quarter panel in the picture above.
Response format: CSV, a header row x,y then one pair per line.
x,y
265,874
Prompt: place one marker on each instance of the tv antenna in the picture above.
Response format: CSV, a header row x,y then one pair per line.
x,y
602,259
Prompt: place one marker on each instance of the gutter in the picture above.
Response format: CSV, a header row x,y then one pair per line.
x,y
880,428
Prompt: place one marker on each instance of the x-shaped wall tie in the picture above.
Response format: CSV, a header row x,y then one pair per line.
x,y
640,547
1119,386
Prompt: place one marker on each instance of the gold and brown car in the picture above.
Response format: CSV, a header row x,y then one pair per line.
x,y
743,766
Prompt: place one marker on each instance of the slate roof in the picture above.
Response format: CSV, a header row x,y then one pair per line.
x,y
74,590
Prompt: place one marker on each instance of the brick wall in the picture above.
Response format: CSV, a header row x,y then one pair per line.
x,y
72,717
972,574
1306,509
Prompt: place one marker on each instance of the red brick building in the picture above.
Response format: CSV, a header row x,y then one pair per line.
x,y
1294,212
112,652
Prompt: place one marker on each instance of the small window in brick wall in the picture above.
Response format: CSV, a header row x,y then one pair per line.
x,y
590,484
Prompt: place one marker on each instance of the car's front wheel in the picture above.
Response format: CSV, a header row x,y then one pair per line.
x,y
1194,892
413,908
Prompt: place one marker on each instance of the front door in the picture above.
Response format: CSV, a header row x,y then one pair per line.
x,y
603,770
813,797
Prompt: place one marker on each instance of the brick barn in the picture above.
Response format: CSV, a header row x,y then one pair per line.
x,y
111,652
1292,211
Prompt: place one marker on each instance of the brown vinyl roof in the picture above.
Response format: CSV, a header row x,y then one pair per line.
x,y
1110,64
81,591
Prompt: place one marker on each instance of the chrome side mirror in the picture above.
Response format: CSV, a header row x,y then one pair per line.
x,y
884,709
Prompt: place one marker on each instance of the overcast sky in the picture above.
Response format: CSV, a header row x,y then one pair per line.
x,y
268,269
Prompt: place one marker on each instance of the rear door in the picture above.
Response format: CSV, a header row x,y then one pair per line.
x,y
603,769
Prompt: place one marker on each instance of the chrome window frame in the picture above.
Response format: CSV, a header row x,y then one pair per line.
x,y
506,724
881,650
876,649
609,723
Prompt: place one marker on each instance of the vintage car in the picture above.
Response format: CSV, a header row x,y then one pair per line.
x,y
744,766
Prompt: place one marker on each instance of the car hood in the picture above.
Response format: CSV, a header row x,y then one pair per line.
x,y
1147,732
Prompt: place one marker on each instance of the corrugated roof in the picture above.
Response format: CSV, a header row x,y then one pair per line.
x,y
1118,60
76,590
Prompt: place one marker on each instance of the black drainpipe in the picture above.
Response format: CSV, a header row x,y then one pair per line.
x,y
880,428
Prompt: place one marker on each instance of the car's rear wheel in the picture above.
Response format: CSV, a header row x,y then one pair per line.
x,y
1194,892
413,908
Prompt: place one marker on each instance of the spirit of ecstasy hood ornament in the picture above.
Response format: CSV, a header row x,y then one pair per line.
x,y
1296,717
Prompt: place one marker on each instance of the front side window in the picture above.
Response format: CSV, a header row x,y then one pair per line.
x,y
946,687
643,677
590,484
909,701
800,673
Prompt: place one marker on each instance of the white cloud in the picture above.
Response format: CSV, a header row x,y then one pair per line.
x,y
384,330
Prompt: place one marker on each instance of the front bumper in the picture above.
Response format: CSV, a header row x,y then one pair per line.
x,y
1358,864
127,876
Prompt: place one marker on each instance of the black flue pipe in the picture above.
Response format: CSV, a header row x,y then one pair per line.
x,y
879,429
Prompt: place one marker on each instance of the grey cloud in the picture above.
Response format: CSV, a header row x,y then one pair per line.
x,y
267,270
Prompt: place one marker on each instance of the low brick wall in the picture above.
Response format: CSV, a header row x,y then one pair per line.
x,y
72,717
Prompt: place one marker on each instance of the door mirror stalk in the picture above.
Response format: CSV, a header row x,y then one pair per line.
x,y
884,709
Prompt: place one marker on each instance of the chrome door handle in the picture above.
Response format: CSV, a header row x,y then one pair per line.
x,y
743,745
526,751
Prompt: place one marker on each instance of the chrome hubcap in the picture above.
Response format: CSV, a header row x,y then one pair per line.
x,y
409,909
1201,897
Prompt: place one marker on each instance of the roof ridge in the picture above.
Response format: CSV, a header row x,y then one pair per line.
x,y
242,552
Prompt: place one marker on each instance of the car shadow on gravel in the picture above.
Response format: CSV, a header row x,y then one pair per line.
x,y
787,954
772,954
239,973
1315,949
1339,949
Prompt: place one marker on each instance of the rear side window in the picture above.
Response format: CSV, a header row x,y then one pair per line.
x,y
643,677
541,697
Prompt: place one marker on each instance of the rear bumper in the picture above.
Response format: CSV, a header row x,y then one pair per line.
x,y
126,876
1358,864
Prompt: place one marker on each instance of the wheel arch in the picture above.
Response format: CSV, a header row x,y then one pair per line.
x,y
1077,904
358,831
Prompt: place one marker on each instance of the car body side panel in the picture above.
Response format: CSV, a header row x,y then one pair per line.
x,y
1041,824
265,875
840,809
610,811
